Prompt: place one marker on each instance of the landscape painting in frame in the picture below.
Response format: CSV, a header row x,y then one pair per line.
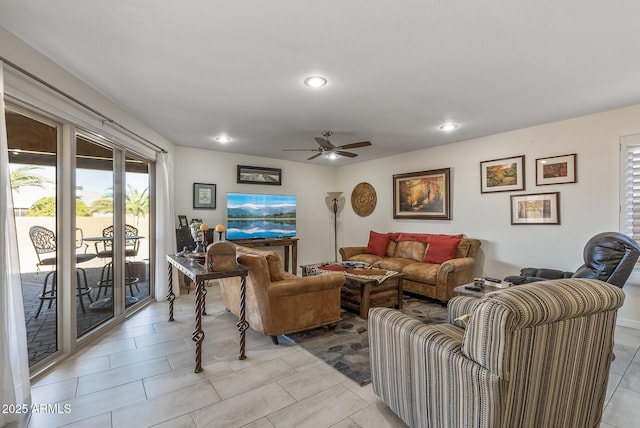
x,y
556,170
535,208
502,175
422,195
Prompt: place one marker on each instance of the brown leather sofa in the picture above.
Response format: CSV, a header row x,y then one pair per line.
x,y
278,302
434,276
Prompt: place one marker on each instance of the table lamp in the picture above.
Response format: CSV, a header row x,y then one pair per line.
x,y
220,229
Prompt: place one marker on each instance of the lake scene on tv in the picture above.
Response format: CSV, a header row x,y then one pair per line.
x,y
256,216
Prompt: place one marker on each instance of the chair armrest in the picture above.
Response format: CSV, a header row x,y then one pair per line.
x,y
347,252
459,306
545,273
304,285
530,274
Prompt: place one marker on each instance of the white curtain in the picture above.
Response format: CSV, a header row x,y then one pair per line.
x,y
165,221
14,360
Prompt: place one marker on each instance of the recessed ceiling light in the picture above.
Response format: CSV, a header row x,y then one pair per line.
x,y
448,126
223,139
315,81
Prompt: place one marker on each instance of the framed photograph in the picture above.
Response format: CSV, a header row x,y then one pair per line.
x,y
204,195
182,220
502,175
556,170
259,175
196,220
536,208
423,195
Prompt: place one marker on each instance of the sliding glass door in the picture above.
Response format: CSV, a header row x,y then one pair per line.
x,y
33,164
82,208
95,229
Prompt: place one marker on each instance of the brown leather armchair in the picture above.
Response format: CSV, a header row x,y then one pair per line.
x,y
278,302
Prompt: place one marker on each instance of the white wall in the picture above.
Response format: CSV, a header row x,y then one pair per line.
x,y
587,207
309,183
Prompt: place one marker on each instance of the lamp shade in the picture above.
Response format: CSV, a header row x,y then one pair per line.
x,y
220,228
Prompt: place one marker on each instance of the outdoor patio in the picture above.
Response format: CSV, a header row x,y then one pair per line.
x,y
41,332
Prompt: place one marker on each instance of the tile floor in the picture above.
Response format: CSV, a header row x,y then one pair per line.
x,y
141,374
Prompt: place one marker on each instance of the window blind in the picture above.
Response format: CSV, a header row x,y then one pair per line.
x,y
630,192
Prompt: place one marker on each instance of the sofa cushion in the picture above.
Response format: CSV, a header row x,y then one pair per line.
x,y
378,243
393,263
421,272
366,258
420,237
463,248
413,250
442,248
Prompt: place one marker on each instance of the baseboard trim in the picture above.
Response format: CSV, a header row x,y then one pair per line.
x,y
625,322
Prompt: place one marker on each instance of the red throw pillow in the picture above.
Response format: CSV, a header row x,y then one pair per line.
x,y
378,243
442,248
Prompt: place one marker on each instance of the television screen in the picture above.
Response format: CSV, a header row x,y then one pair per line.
x,y
253,216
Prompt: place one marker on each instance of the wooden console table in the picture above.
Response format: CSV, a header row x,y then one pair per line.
x,y
199,274
287,243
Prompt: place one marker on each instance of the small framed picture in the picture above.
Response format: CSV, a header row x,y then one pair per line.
x,y
536,208
182,220
556,170
196,220
259,175
204,195
422,195
502,175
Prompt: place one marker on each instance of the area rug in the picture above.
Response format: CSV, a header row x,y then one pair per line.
x,y
346,348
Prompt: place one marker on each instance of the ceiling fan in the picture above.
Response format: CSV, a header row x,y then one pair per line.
x,y
325,146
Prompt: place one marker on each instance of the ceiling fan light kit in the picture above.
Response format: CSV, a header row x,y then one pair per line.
x,y
326,147
223,139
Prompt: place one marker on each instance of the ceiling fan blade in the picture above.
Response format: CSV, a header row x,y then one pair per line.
x,y
355,145
347,154
301,150
325,143
314,156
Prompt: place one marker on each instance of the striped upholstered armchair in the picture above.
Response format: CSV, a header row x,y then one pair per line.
x,y
536,355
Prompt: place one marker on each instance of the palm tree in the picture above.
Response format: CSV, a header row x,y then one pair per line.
x,y
137,203
24,177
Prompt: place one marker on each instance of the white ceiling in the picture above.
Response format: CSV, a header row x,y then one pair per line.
x,y
397,70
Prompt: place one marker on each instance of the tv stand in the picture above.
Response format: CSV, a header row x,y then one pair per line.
x,y
287,243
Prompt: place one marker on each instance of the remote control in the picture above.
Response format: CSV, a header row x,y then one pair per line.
x,y
493,279
473,287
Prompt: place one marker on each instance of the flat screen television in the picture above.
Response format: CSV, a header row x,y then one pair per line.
x,y
259,216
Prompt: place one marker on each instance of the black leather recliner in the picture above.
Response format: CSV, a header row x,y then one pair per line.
x,y
608,256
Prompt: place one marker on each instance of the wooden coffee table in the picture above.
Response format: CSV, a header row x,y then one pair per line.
x,y
360,294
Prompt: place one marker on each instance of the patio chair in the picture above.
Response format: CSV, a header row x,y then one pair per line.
x,y
106,253
44,244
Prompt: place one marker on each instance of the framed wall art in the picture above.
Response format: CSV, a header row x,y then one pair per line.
x,y
204,195
556,170
182,220
502,175
535,208
259,175
422,195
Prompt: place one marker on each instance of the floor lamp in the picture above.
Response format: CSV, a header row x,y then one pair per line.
x,y
335,203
